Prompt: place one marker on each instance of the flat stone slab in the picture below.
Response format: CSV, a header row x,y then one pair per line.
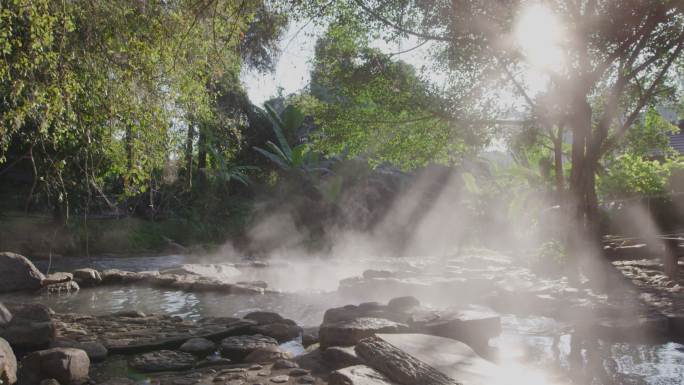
x,y
348,333
358,375
126,333
453,358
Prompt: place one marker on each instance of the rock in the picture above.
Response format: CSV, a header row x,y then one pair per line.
x,y
298,372
8,364
267,354
369,274
66,287
474,326
358,375
401,304
238,347
87,277
261,284
67,365
59,277
116,276
368,309
18,273
452,358
49,381
31,326
280,379
221,272
129,314
309,339
308,379
162,361
265,317
400,366
313,361
348,333
337,357
284,364
95,350
118,381
5,316
198,346
280,331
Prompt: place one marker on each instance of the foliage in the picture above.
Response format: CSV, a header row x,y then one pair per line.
x,y
371,105
98,94
633,174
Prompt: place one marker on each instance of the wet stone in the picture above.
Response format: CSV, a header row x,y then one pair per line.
x,y
348,333
280,379
162,360
306,380
238,347
284,364
198,346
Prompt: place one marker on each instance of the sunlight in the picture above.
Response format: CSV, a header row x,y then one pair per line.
x,y
538,32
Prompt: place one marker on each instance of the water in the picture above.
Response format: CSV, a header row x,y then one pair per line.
x,y
541,344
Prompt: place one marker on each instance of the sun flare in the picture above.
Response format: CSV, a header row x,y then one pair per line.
x,y
538,33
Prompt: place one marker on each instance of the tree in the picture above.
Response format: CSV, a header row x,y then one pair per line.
x,y
617,58
98,95
369,104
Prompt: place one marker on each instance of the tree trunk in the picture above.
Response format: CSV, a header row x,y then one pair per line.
x,y
558,165
188,155
202,153
128,142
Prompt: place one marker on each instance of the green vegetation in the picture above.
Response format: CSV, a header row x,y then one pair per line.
x,y
129,117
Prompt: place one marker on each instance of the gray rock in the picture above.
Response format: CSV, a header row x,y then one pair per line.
x,y
221,272
58,277
348,333
474,325
307,379
95,350
31,326
284,364
118,381
238,347
282,332
399,366
18,273
337,357
66,287
5,316
267,354
369,274
265,317
87,277
8,364
280,379
298,372
358,375
50,381
67,365
403,303
198,346
457,361
162,361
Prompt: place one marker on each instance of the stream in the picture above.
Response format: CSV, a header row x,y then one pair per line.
x,y
308,289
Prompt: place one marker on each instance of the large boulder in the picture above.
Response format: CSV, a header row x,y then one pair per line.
x,y
348,333
31,326
281,331
96,351
8,364
238,347
87,277
67,365
270,353
474,325
18,273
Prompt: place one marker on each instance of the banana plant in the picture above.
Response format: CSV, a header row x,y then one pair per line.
x,y
300,157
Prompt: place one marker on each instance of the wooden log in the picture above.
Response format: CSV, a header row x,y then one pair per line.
x,y
399,366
